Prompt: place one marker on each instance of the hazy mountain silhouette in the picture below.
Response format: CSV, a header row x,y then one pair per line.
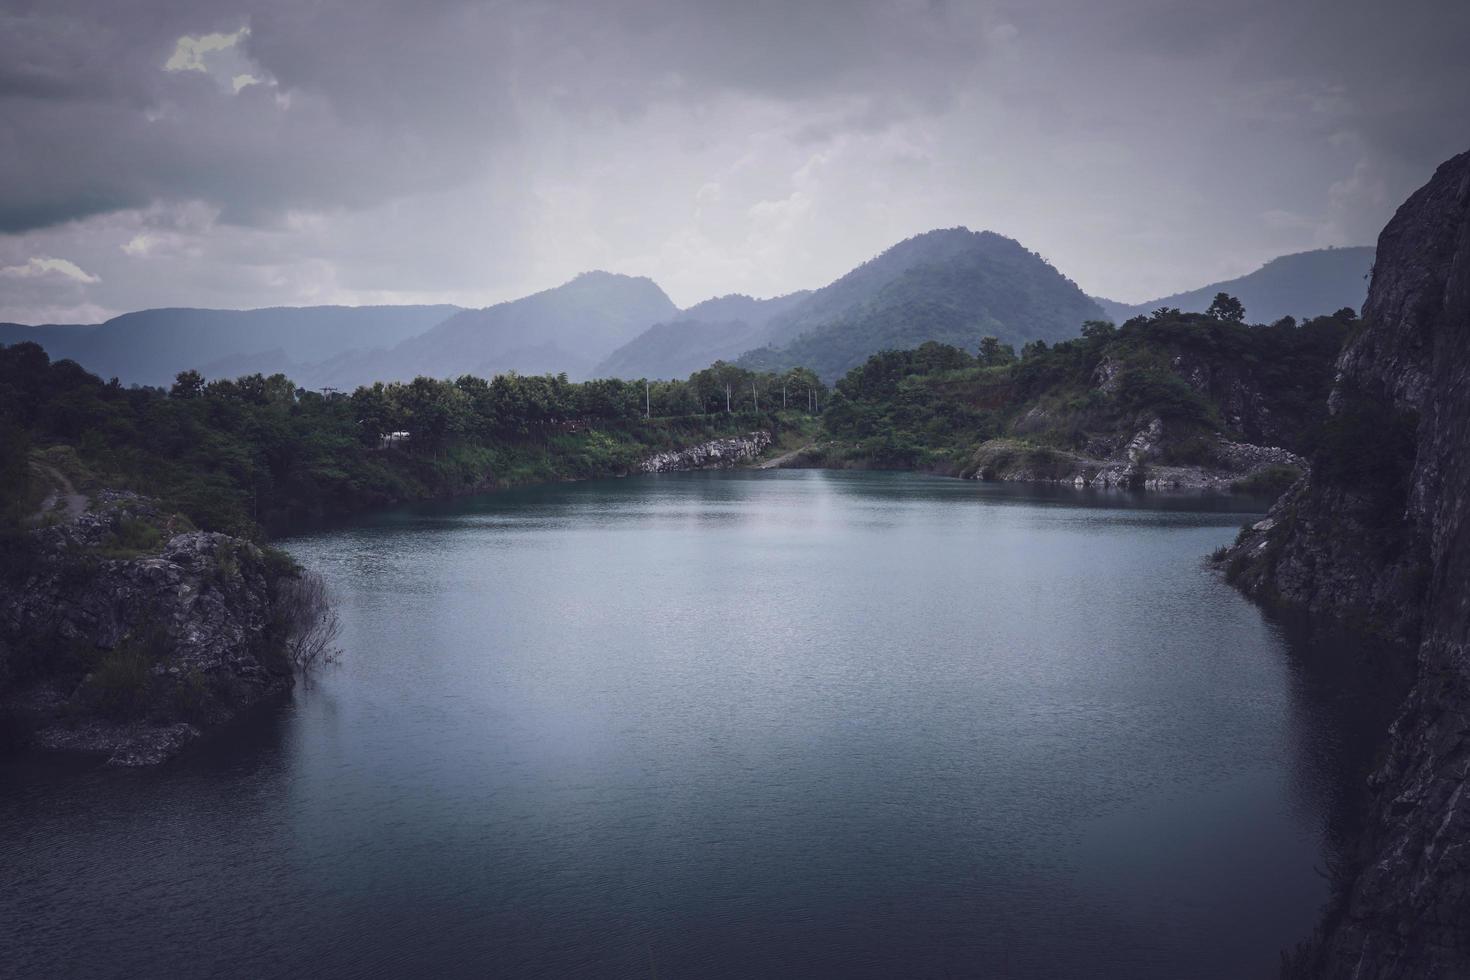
x,y
152,346
722,328
568,328
951,285
1302,285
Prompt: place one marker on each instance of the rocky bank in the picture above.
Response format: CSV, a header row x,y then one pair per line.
x,y
1379,534
1137,463
715,454
127,633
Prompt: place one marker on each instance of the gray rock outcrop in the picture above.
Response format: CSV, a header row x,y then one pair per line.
x,y
715,454
1380,534
128,634
1134,465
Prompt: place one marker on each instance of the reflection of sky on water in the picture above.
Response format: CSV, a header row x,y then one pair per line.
x,y
740,724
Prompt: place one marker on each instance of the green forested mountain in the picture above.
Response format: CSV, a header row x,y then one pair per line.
x,y
1302,285
952,285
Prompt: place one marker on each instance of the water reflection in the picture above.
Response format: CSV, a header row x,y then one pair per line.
x,y
733,724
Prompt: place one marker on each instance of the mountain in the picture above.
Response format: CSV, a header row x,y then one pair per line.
x,y
569,328
62,341
1302,285
151,346
718,329
951,285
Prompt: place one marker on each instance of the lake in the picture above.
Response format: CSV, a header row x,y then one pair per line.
x,y
740,724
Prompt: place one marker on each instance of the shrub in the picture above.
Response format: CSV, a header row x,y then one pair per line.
x,y
120,683
308,625
131,537
191,697
278,564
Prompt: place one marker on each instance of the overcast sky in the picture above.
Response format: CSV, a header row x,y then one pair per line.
x,y
206,153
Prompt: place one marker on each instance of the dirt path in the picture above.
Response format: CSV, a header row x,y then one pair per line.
x,y
776,462
74,504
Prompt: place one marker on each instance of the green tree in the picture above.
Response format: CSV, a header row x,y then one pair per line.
x,y
375,412
187,384
994,354
1226,307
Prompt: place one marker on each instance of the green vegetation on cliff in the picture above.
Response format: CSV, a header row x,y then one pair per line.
x,y
1200,375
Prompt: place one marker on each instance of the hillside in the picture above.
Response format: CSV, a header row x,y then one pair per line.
x,y
951,285
569,328
1179,400
1302,285
151,346
717,329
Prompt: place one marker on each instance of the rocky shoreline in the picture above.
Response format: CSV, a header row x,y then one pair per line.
x,y
1139,465
1379,535
1236,465
129,633
714,454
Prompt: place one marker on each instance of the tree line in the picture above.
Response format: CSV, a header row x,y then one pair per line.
x,y
258,451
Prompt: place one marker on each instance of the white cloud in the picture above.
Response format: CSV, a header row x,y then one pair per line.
x,y
40,266
190,51
139,245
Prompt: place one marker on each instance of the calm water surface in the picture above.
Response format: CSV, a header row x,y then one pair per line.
x,y
739,724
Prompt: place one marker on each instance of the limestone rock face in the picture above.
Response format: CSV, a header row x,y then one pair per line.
x,y
1133,465
715,454
1388,541
126,639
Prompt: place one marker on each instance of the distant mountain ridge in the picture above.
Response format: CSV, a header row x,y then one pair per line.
x,y
568,328
952,285
1303,285
152,346
722,328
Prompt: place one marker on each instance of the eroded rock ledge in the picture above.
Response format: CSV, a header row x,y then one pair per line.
x,y
715,454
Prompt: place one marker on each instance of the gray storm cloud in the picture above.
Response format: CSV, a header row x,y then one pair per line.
x,y
247,154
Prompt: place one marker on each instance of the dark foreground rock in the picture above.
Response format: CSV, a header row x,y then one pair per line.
x,y
1379,534
715,454
127,634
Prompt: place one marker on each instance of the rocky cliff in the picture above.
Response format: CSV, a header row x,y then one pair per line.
x,y
715,454
126,633
1138,463
1379,534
